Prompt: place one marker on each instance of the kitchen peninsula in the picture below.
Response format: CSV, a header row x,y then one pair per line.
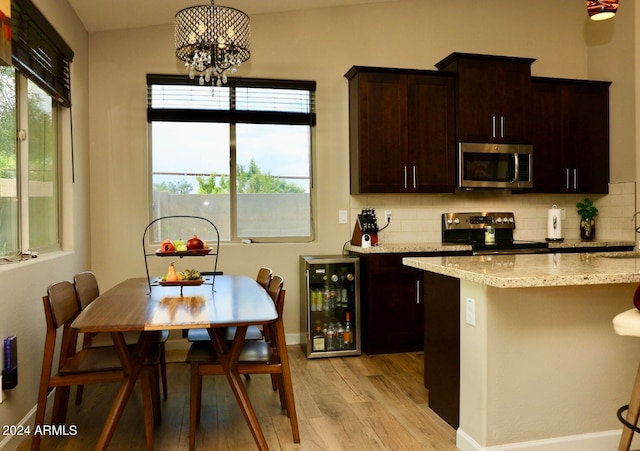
x,y
520,349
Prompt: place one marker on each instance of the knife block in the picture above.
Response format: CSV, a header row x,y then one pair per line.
x,y
356,237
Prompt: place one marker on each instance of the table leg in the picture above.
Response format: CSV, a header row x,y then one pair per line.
x,y
132,365
229,362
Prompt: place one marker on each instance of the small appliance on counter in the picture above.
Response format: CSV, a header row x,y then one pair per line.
x,y
554,224
487,233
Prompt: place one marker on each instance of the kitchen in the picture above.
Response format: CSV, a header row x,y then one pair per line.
x,y
107,203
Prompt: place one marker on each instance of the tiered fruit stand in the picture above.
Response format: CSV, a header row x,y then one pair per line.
x,y
213,250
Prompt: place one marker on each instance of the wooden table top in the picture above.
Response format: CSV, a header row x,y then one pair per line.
x,y
128,306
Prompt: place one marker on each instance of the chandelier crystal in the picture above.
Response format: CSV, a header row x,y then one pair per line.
x,y
602,9
213,41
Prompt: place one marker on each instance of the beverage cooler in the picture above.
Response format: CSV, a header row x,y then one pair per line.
x,y
330,310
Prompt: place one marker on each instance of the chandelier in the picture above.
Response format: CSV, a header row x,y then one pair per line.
x,y
212,41
602,9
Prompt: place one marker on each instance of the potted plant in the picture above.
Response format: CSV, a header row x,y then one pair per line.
x,y
587,212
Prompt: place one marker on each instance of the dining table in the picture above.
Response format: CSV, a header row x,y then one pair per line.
x,y
220,302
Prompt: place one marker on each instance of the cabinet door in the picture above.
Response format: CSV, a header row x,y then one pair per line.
x,y
571,136
513,98
378,109
494,98
589,125
394,307
549,153
431,134
476,108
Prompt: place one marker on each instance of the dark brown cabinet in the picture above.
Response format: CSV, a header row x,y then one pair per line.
x,y
401,127
493,97
391,305
571,136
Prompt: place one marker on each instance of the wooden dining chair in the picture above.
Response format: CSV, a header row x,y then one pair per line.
x,y
253,332
86,366
256,357
88,290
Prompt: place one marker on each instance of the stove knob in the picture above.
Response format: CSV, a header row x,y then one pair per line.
x,y
456,221
510,218
449,221
499,220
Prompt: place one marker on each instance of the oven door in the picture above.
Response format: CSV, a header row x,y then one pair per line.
x,y
506,166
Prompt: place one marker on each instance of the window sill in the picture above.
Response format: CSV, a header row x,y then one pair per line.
x,y
8,266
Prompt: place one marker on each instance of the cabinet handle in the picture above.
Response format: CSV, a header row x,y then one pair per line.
x,y
502,126
493,126
575,179
417,292
414,177
405,177
567,184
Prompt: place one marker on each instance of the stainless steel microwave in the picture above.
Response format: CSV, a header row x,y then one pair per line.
x,y
506,166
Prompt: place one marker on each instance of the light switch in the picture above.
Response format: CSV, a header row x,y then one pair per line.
x,y
342,216
471,311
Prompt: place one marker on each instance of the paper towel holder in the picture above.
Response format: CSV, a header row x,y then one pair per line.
x,y
556,225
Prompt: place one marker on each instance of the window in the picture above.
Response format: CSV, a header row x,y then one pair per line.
x,y
239,156
29,193
32,93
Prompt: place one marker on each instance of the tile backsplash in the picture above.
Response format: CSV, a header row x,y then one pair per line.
x,y
416,218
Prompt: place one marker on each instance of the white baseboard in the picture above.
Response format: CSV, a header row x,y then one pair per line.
x,y
13,441
596,441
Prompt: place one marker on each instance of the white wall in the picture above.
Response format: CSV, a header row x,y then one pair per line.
x,y
22,285
319,45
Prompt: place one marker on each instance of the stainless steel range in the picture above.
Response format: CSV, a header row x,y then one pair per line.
x,y
487,233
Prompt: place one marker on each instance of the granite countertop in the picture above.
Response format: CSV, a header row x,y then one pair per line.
x,y
447,247
536,270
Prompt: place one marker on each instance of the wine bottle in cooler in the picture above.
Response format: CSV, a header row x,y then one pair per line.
x,y
347,332
318,339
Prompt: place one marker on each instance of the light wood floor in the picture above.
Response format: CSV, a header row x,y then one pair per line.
x,y
367,402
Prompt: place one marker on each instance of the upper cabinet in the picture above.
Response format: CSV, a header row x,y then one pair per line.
x,y
494,96
401,127
571,139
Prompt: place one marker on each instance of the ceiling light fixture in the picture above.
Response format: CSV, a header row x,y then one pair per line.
x,y
602,9
212,40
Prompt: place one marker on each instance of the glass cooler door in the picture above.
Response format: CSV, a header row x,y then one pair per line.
x,y
330,310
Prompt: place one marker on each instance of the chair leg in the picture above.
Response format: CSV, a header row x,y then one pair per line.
x,y
287,386
163,370
632,415
40,412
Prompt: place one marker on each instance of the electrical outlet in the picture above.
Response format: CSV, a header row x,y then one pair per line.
x,y
387,215
471,311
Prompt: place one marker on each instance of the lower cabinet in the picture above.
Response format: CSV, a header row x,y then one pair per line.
x,y
391,305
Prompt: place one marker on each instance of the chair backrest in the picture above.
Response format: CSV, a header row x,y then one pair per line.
x,y
264,277
86,288
61,307
280,303
275,286
275,291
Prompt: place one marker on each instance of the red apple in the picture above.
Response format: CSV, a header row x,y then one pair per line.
x,y
194,243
